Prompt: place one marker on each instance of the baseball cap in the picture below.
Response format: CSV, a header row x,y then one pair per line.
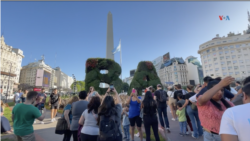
x,y
159,85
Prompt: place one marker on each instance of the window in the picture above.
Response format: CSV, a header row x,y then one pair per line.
x,y
242,66
241,61
230,68
239,56
231,73
204,57
225,47
208,50
224,74
227,57
214,54
234,61
216,69
220,48
233,56
237,46
222,63
237,73
205,61
215,63
247,61
222,57
211,69
224,41
214,49
206,66
228,62
248,67
239,51
232,51
208,55
221,52
231,46
245,55
236,67
226,52
209,60
223,68
210,65
218,42
215,59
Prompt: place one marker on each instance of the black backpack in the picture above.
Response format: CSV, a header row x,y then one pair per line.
x,y
109,129
163,96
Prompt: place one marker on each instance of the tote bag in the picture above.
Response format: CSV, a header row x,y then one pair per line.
x,y
61,126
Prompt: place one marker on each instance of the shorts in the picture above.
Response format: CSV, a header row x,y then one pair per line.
x,y
54,107
30,137
172,101
136,120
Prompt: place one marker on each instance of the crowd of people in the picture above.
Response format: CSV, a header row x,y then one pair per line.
x,y
213,111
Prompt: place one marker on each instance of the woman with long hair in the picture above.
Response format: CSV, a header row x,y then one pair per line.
x,y
5,125
68,117
172,102
134,113
90,129
211,106
92,93
149,107
111,109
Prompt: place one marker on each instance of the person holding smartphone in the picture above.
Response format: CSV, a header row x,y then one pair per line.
x,y
41,99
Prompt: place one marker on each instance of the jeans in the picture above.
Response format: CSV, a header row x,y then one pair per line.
x,y
163,110
193,115
40,107
23,99
67,135
126,131
211,137
18,101
183,126
148,122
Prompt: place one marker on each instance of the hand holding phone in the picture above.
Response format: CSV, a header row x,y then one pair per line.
x,y
111,87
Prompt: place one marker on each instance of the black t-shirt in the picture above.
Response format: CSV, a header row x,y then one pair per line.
x,y
157,94
176,93
150,109
188,95
54,99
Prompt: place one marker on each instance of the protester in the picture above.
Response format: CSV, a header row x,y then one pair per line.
x,y
193,113
92,93
5,124
161,98
182,118
211,105
172,102
134,113
17,96
90,129
23,96
68,117
238,86
41,99
109,118
235,121
77,109
149,107
125,122
23,116
54,102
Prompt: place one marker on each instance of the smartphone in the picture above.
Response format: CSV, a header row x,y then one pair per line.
x,y
133,91
111,87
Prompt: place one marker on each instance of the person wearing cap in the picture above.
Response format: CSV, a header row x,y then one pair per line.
x,y
162,107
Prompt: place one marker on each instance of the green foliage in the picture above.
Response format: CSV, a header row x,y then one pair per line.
x,y
94,77
7,113
145,76
125,86
80,86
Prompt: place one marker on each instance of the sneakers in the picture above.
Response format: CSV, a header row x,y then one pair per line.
x,y
137,135
35,122
181,134
193,136
42,122
52,120
168,130
173,119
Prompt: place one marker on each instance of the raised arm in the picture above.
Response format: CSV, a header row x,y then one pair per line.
x,y
196,89
118,99
128,100
211,92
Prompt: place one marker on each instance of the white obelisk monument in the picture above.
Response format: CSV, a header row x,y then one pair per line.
x,y
110,41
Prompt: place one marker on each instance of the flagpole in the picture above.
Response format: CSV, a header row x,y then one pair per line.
x,y
121,57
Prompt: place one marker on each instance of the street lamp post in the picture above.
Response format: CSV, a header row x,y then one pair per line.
x,y
8,84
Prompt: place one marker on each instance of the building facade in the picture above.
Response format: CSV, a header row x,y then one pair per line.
x,y
195,71
174,71
157,64
11,60
62,80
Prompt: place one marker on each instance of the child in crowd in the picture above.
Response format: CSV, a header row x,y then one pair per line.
x,y
125,122
182,118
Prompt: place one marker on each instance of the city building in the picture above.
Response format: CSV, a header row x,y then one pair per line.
x,y
227,56
195,71
11,60
157,64
62,80
174,71
38,75
130,78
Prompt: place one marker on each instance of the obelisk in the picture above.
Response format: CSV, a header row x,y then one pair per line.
x,y
110,41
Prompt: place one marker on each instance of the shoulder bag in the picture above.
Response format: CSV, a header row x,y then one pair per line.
x,y
61,126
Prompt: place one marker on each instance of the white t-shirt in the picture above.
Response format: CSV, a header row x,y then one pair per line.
x,y
236,121
193,98
17,96
170,94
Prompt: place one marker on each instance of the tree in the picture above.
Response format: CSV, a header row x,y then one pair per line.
x,y
80,86
94,77
144,76
125,86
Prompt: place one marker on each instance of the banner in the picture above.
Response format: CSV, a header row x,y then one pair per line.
x,y
46,79
39,77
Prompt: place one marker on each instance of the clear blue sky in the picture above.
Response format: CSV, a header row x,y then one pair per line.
x,y
75,31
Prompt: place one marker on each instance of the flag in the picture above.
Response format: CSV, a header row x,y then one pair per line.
x,y
118,48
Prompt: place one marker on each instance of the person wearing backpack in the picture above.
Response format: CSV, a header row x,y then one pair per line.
x,y
161,98
54,102
109,118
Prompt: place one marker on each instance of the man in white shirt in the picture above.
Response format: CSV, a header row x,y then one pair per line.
x,y
17,96
235,122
